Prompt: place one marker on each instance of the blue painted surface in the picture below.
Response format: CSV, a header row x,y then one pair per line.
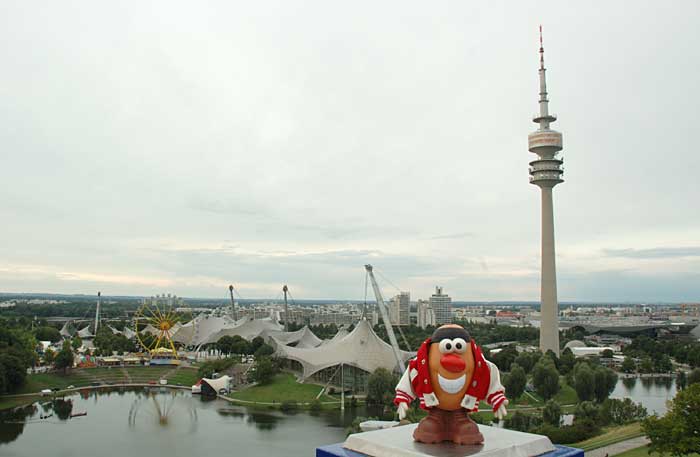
x,y
337,450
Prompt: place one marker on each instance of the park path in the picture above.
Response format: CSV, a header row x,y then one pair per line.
x,y
618,448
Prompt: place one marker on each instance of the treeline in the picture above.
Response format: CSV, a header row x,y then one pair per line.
x,y
482,334
72,309
656,353
589,417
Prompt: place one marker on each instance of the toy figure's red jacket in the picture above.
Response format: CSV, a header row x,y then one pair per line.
x,y
485,383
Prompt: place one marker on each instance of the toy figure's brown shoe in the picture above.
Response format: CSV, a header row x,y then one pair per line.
x,y
432,428
463,430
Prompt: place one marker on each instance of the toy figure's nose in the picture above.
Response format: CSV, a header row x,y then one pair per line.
x,y
453,363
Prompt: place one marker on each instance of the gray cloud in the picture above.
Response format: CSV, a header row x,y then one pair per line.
x,y
654,253
453,236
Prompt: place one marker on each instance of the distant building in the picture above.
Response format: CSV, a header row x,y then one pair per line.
x,y
425,314
442,306
399,309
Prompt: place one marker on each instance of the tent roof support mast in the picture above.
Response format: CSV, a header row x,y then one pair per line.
x,y
385,317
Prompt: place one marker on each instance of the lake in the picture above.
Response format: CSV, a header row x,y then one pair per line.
x,y
165,422
652,393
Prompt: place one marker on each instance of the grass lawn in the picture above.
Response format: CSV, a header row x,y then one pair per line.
x,y
11,402
37,382
183,377
283,387
644,452
611,435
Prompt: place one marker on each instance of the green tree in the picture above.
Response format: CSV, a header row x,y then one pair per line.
x,y
678,432
256,343
545,378
515,381
551,413
225,344
64,358
621,412
694,377
380,387
646,365
662,363
47,334
240,345
505,357
605,382
566,361
49,356
607,354
76,342
13,372
264,351
265,370
526,360
586,411
584,381
628,365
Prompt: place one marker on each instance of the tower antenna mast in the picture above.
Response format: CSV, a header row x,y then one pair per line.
x,y
233,303
546,172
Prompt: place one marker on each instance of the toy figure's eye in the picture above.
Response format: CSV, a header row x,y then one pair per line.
x,y
446,346
460,345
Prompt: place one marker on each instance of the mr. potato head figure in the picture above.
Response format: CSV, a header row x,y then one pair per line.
x,y
450,376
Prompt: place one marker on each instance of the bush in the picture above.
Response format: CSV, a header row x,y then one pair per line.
x,y
315,406
522,421
551,413
586,411
568,433
291,406
621,412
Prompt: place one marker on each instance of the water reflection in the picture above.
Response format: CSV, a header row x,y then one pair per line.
x,y
12,422
652,393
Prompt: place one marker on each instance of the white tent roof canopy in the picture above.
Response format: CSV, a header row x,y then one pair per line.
x,y
361,348
304,337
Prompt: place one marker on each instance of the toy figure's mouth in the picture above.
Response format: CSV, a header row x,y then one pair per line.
x,y
452,386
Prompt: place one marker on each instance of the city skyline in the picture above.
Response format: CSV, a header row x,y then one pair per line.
x,y
184,150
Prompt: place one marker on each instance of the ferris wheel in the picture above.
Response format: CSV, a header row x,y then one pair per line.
x,y
156,322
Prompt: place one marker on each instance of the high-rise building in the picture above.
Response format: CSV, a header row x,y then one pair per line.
x,y
425,314
545,172
399,309
442,306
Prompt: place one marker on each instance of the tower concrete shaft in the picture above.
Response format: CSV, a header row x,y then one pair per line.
x,y
546,172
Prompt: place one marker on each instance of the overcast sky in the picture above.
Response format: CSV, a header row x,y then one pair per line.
x,y
150,147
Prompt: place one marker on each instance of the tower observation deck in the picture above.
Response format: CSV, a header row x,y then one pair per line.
x,y
546,172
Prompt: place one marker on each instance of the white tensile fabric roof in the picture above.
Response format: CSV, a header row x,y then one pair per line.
x,y
304,337
205,329
85,332
342,333
361,348
248,329
218,383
